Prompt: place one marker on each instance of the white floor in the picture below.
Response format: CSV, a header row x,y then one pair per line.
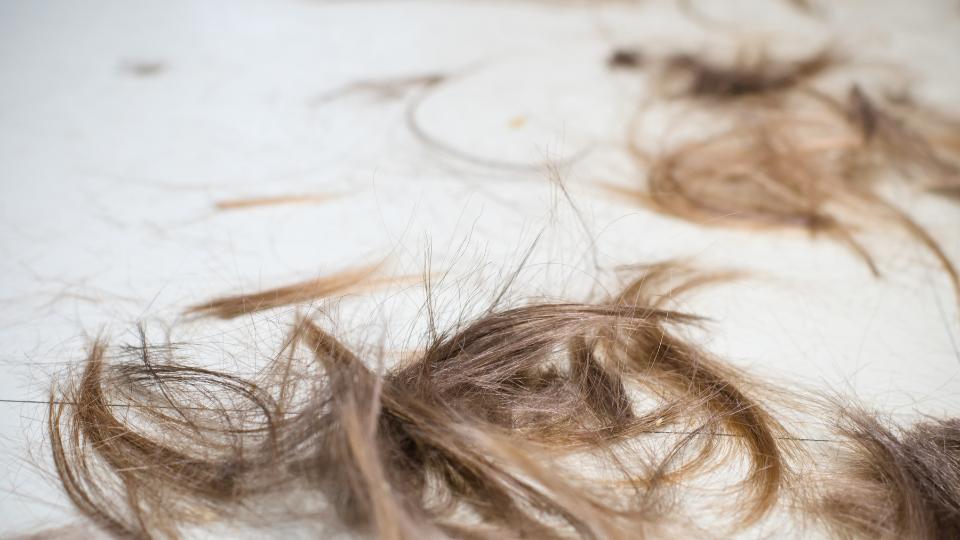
x,y
123,123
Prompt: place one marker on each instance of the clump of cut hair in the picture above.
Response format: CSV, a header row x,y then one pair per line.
x,y
922,146
626,59
467,438
801,158
698,77
889,482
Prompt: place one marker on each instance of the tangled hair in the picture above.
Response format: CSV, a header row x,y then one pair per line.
x,y
470,437
792,156
893,483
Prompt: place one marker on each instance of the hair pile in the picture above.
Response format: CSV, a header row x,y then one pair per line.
x,y
787,155
546,420
465,438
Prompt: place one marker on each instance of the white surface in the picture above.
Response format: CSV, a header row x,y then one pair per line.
x,y
107,183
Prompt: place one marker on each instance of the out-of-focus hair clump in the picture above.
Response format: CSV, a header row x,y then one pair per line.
x,y
783,154
697,77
